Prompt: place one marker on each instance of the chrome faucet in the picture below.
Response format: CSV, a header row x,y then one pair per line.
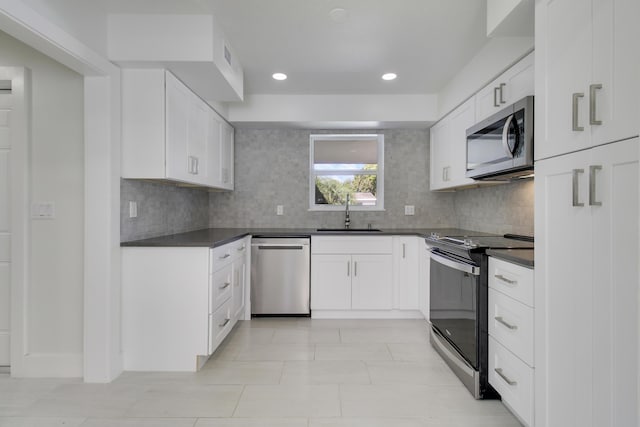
x,y
347,220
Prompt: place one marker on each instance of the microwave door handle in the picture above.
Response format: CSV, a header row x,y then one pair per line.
x,y
505,136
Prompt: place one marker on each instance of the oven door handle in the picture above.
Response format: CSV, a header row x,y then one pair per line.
x,y
467,268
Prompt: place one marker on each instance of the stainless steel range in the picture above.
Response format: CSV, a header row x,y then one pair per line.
x,y
459,303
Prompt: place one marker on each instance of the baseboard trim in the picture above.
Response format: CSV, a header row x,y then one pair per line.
x,y
366,314
51,365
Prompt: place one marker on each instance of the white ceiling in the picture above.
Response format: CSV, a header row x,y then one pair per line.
x,y
424,41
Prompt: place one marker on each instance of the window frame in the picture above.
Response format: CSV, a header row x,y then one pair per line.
x,y
379,206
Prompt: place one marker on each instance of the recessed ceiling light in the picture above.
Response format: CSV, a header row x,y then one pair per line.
x,y
279,76
389,76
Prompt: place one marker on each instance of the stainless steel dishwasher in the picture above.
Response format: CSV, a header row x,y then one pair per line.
x,y
280,276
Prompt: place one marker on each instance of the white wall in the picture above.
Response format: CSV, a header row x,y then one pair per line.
x,y
487,64
82,19
54,309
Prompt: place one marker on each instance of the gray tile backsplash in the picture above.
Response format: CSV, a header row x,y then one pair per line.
x,y
162,209
272,168
506,208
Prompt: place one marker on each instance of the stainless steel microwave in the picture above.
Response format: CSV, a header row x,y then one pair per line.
x,y
501,146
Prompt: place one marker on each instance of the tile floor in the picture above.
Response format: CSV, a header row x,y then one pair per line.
x,y
273,372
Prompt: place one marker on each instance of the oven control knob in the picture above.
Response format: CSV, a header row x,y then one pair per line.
x,y
435,236
470,243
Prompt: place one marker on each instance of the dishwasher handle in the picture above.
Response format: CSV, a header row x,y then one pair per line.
x,y
280,247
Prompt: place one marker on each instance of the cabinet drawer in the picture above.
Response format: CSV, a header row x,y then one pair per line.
x,y
513,379
511,323
351,245
220,323
221,256
221,286
238,248
512,280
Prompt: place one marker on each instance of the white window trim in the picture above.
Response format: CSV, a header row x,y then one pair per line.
x,y
380,172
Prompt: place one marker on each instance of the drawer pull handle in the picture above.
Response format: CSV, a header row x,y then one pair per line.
x,y
499,319
504,377
225,286
222,325
225,256
504,279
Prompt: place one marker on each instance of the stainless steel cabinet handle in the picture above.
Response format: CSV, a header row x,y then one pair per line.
x,y
355,268
504,377
348,268
499,319
592,185
197,169
576,172
574,112
404,251
504,279
225,256
222,325
502,85
495,96
592,104
225,286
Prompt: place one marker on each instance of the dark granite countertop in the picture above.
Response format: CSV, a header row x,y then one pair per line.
x,y
212,237
523,257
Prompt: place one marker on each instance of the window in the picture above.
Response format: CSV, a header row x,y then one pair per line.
x,y
346,165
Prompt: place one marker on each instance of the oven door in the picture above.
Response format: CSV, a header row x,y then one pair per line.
x,y
453,310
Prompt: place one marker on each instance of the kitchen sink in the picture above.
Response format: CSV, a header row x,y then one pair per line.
x,y
349,230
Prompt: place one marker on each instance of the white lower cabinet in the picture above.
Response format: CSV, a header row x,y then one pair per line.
x,y
366,277
179,303
513,379
586,299
511,336
351,274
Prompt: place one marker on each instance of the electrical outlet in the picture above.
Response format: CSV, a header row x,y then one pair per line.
x,y
409,210
43,210
279,210
133,209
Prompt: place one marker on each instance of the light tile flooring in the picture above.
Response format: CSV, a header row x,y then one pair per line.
x,y
273,372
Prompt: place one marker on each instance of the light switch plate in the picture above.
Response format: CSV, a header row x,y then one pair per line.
x,y
133,209
280,210
409,210
43,210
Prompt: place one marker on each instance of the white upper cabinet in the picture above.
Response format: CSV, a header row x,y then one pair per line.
x,y
587,70
449,148
513,85
169,133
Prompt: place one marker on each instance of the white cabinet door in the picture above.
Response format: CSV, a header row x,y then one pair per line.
x,y
372,282
226,156
586,293
331,282
586,79
449,148
563,299
425,273
406,270
615,36
513,85
178,163
214,171
198,138
615,284
460,120
239,283
440,161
